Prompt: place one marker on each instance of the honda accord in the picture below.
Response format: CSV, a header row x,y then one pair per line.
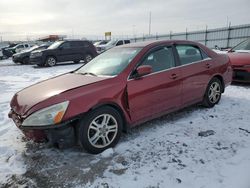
x,y
120,89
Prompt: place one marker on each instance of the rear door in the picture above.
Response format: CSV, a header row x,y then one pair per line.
x,y
157,92
195,67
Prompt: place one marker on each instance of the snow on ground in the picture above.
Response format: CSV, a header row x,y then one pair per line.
x,y
166,152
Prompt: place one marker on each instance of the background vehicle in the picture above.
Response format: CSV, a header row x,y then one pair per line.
x,y
240,60
111,44
120,88
1,54
61,51
23,57
102,42
18,48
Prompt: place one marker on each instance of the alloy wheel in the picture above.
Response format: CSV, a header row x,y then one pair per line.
x,y
102,131
88,58
214,92
51,61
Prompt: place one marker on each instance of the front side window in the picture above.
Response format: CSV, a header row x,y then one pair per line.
x,y
66,45
55,45
188,54
109,63
161,59
120,42
20,46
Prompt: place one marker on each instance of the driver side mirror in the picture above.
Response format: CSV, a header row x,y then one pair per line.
x,y
143,70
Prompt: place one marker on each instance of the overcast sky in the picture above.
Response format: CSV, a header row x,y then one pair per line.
x,y
19,18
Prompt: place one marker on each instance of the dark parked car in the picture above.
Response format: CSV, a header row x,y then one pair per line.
x,y
7,52
240,60
121,88
23,57
62,51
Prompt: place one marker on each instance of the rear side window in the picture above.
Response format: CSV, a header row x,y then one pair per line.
x,y
127,41
26,45
161,59
66,45
188,54
75,44
85,44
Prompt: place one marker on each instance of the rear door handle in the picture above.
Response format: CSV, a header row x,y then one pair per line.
x,y
208,65
173,76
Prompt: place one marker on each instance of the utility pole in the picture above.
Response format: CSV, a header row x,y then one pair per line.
x,y
149,29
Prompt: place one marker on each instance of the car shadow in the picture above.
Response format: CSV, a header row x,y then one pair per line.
x,y
241,84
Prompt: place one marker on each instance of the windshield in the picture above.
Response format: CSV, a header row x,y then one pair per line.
x,y
55,45
245,45
109,63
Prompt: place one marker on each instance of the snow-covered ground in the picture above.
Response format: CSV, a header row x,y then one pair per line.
x,y
166,152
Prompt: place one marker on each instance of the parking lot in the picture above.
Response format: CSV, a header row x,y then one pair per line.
x,y
166,152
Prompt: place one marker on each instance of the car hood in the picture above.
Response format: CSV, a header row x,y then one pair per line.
x,y
22,53
239,58
30,96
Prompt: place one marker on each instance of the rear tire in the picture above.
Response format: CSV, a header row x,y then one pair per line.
x,y
213,93
100,129
50,61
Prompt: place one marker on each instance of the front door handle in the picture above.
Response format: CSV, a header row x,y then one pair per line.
x,y
173,76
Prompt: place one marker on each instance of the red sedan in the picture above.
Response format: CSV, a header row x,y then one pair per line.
x,y
240,60
119,89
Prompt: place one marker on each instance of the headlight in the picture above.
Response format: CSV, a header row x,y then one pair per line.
x,y
47,116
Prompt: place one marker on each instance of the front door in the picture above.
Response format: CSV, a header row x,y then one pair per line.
x,y
64,52
157,92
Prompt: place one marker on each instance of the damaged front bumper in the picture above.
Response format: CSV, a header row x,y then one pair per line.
x,y
62,134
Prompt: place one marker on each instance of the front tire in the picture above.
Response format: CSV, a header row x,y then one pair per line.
x,y
100,129
213,93
50,61
88,58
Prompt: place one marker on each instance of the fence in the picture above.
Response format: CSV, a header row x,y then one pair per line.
x,y
223,37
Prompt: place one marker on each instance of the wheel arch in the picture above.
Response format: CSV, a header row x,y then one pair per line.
x,y
50,55
221,80
117,108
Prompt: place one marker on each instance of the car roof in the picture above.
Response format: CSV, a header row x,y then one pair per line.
x,y
72,40
155,43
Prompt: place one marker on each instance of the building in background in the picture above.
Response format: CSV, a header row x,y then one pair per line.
x,y
52,38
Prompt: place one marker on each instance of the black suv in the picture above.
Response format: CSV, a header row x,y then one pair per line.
x,y
61,51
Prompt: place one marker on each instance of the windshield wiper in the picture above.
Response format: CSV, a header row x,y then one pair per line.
x,y
87,73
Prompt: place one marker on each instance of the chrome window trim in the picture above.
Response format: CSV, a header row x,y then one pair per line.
x,y
195,62
128,79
